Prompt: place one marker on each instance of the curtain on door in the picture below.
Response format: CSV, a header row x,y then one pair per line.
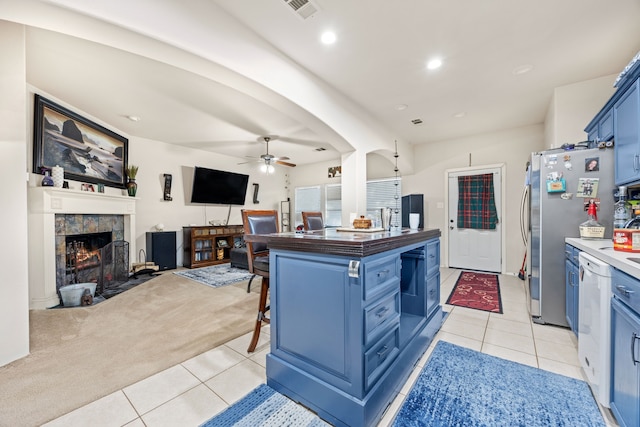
x,y
476,202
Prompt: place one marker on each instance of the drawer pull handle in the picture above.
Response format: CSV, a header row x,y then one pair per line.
x,y
624,291
382,311
382,353
633,348
383,273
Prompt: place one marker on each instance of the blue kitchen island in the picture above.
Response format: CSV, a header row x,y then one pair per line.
x,y
351,314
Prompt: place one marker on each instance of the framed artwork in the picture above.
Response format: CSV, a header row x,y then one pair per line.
x,y
335,171
87,151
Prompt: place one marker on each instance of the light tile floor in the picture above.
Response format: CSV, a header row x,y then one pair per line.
x,y
190,393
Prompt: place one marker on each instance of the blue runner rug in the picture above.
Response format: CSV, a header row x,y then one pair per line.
x,y
216,275
265,407
457,387
462,387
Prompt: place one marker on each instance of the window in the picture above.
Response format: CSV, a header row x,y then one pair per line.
x,y
382,194
307,199
333,205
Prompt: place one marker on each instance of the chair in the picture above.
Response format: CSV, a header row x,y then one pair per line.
x,y
312,221
259,222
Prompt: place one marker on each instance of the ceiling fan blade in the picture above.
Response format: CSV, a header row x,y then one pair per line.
x,y
281,158
279,162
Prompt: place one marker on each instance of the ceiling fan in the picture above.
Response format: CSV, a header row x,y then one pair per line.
x,y
269,159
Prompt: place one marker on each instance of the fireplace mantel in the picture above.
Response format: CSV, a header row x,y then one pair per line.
x,y
44,203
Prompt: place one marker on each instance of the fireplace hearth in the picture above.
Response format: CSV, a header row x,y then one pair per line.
x,y
55,213
90,248
93,257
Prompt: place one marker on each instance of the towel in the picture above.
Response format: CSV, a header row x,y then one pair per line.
x,y
476,202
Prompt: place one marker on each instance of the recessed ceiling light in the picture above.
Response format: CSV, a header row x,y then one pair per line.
x,y
459,115
522,69
134,118
328,37
434,64
401,107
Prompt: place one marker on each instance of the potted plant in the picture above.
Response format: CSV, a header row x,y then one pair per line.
x,y
132,186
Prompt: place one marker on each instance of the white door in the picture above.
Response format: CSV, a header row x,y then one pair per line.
x,y
474,249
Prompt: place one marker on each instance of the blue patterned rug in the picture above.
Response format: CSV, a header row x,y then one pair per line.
x,y
216,275
462,387
265,407
457,387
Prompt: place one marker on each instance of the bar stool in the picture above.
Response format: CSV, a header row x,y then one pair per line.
x,y
312,221
259,222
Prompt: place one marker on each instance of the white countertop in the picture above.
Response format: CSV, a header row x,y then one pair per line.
x,y
603,250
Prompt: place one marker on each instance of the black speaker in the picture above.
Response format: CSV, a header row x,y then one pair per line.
x,y
413,203
161,249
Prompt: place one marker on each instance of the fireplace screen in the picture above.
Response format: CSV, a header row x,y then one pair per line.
x,y
115,265
95,258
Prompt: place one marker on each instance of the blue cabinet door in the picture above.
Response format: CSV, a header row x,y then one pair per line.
x,y
572,295
626,121
625,379
602,129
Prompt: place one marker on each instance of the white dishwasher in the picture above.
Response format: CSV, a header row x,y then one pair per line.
x,y
594,324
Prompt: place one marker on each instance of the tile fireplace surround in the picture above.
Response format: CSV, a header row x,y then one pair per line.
x,y
44,203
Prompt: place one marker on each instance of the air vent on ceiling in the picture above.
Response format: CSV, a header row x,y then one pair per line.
x,y
321,149
416,121
303,8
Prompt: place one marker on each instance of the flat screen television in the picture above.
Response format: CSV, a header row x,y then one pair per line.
x,y
218,187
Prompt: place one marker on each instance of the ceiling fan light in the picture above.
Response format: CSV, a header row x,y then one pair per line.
x,y
267,168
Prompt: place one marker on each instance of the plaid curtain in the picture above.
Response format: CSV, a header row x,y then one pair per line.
x,y
476,202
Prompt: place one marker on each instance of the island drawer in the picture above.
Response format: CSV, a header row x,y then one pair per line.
x,y
380,315
380,356
381,273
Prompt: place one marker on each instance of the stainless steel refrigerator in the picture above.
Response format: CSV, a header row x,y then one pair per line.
x,y
559,183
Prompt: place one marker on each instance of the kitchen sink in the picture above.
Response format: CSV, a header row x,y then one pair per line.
x,y
634,259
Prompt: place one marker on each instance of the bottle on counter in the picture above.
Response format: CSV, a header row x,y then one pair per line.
x,y
591,228
621,209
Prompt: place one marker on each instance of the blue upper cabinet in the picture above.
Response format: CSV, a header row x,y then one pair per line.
x,y
620,119
626,115
601,129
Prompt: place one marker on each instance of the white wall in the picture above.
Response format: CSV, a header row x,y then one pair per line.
x,y
156,158
572,107
14,297
511,147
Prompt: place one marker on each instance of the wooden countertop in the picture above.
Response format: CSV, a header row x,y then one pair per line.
x,y
345,243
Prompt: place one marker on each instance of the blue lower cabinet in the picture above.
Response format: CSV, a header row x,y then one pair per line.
x,y
346,332
625,349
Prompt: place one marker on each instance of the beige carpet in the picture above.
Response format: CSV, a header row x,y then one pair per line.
x,y
81,354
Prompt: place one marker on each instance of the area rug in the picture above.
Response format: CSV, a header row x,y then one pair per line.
x,y
265,407
216,275
462,387
477,290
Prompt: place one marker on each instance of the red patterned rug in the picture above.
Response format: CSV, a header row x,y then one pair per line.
x,y
477,290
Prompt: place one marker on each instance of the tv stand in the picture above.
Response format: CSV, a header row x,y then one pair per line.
x,y
209,245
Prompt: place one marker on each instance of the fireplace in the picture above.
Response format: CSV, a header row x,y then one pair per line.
x,y
83,256
54,214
